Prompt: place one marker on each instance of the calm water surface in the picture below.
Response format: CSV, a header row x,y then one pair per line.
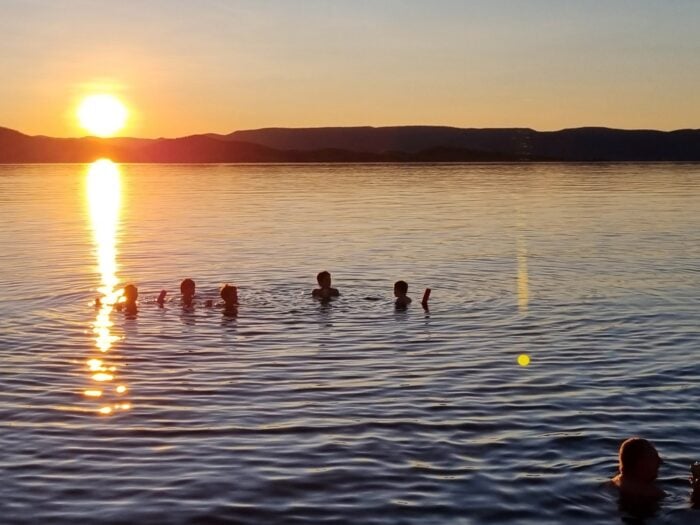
x,y
296,412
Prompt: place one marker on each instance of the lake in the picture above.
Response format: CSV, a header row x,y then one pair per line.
x,y
294,411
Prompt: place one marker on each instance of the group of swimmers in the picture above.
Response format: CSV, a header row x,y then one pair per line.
x,y
325,292
639,464
639,460
229,295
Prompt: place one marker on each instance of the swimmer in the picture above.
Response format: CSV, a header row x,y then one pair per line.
x,y
325,291
639,464
230,296
187,290
131,293
400,291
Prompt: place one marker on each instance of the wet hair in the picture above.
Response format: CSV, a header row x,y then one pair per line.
x,y
131,293
401,287
633,451
186,285
227,291
323,276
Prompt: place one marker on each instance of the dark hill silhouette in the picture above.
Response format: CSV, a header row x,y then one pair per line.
x,y
365,144
200,148
409,139
594,144
16,147
581,144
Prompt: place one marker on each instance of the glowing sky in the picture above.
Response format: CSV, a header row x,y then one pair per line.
x,y
219,65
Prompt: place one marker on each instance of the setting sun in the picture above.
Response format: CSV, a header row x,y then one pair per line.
x,y
102,115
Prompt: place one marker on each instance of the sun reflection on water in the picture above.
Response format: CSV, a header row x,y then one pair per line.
x,y
104,200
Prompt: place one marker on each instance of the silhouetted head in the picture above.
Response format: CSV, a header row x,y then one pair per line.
x,y
639,459
187,287
229,294
131,293
400,288
324,279
187,291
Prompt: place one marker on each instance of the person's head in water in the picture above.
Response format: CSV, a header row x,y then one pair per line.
x,y
230,295
324,279
187,290
400,288
639,466
131,293
639,460
325,291
400,291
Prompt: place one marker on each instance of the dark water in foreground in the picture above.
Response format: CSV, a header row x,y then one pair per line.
x,y
294,412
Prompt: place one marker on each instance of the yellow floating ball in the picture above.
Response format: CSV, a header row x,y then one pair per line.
x,y
523,359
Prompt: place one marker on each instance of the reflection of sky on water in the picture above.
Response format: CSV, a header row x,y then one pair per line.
x,y
104,200
523,290
523,286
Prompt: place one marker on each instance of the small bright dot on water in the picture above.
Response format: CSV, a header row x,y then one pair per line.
x,y
121,389
93,393
101,376
126,406
106,410
523,359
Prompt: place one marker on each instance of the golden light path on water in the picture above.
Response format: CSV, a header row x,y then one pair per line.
x,y
103,183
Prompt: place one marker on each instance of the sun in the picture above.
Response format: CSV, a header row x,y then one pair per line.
x,y
102,115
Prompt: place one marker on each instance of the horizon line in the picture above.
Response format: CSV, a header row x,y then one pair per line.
x,y
267,128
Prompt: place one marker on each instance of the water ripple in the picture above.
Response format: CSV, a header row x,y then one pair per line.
x,y
296,412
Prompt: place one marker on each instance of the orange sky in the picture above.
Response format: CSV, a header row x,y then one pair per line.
x,y
192,67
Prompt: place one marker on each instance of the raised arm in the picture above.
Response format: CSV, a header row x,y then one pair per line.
x,y
426,296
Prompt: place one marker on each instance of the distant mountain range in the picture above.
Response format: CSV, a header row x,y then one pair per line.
x,y
365,144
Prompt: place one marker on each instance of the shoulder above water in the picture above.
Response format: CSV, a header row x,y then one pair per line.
x,y
325,293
